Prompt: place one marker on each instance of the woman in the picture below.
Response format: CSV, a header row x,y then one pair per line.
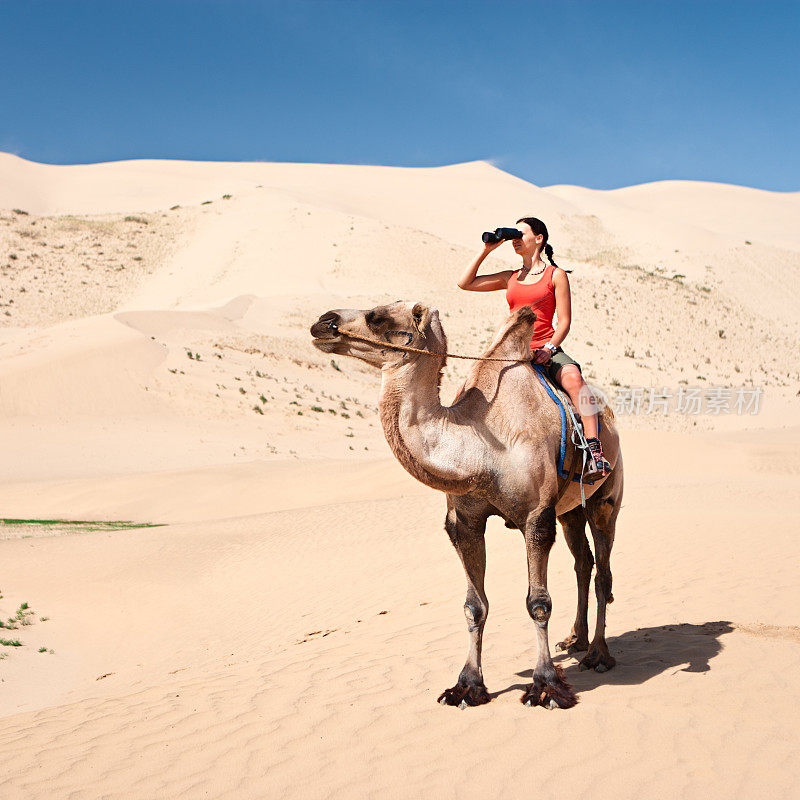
x,y
544,287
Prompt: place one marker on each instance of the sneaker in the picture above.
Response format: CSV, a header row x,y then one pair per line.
x,y
596,467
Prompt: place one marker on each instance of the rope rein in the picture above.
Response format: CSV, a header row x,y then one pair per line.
x,y
577,437
407,349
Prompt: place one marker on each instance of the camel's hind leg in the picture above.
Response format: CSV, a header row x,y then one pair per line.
x,y
602,509
466,525
574,525
549,688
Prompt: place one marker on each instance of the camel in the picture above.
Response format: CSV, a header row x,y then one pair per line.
x,y
493,452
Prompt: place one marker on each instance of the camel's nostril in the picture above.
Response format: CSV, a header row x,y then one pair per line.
x,y
331,317
326,327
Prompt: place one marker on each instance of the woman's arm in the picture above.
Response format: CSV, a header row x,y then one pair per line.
x,y
563,306
486,283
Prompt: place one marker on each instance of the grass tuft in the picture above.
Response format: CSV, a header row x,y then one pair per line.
x,y
100,524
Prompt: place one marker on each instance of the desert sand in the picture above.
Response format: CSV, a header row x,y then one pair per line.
x,y
285,628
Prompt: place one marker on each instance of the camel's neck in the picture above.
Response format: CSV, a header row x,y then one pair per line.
x,y
448,448
422,434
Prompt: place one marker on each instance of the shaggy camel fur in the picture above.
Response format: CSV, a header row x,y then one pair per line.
x,y
493,452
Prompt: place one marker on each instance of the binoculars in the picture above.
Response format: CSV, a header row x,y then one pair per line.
x,y
499,234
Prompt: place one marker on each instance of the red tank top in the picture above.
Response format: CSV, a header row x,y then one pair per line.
x,y
541,297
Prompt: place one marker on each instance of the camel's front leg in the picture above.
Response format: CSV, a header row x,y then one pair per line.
x,y
466,532
549,688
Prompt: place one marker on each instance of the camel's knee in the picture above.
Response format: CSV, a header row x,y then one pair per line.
x,y
539,607
476,612
602,584
542,531
584,561
451,525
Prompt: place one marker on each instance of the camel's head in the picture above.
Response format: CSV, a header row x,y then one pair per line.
x,y
344,331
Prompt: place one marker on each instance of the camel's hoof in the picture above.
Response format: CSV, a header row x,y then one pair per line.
x,y
598,661
550,706
572,645
463,696
555,694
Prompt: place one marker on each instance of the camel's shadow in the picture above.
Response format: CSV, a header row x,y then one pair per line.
x,y
644,653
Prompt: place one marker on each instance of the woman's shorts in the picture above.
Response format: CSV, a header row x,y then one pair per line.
x,y
559,359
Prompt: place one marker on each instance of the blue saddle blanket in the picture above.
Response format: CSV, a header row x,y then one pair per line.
x,y
563,412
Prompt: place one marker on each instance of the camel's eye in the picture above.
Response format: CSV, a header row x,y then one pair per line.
x,y
375,319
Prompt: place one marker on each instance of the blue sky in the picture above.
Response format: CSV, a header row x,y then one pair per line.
x,y
602,94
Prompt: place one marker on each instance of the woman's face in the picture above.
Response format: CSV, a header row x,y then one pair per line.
x,y
530,241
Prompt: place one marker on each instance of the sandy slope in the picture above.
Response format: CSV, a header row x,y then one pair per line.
x,y
163,373
240,653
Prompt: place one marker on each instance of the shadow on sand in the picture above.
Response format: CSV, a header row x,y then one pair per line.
x,y
644,653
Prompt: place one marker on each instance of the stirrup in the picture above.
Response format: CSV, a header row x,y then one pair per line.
x,y
596,467
581,443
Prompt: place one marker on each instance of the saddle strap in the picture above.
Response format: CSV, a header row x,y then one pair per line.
x,y
575,436
577,464
566,482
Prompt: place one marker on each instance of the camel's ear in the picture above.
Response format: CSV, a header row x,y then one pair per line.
x,y
420,314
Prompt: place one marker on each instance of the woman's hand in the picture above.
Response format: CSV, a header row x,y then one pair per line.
x,y
542,355
489,246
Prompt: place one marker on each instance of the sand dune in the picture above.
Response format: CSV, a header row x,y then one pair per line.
x,y
287,629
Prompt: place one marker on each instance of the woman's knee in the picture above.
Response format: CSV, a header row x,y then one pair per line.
x,y
570,378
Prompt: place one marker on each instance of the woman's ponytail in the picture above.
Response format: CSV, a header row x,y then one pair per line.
x,y
548,251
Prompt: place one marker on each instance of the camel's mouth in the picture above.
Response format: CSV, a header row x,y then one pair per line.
x,y
327,345
326,334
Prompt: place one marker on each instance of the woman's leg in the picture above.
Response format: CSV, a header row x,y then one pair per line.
x,y
571,381
570,378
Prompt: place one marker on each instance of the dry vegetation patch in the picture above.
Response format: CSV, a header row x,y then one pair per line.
x,y
57,268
